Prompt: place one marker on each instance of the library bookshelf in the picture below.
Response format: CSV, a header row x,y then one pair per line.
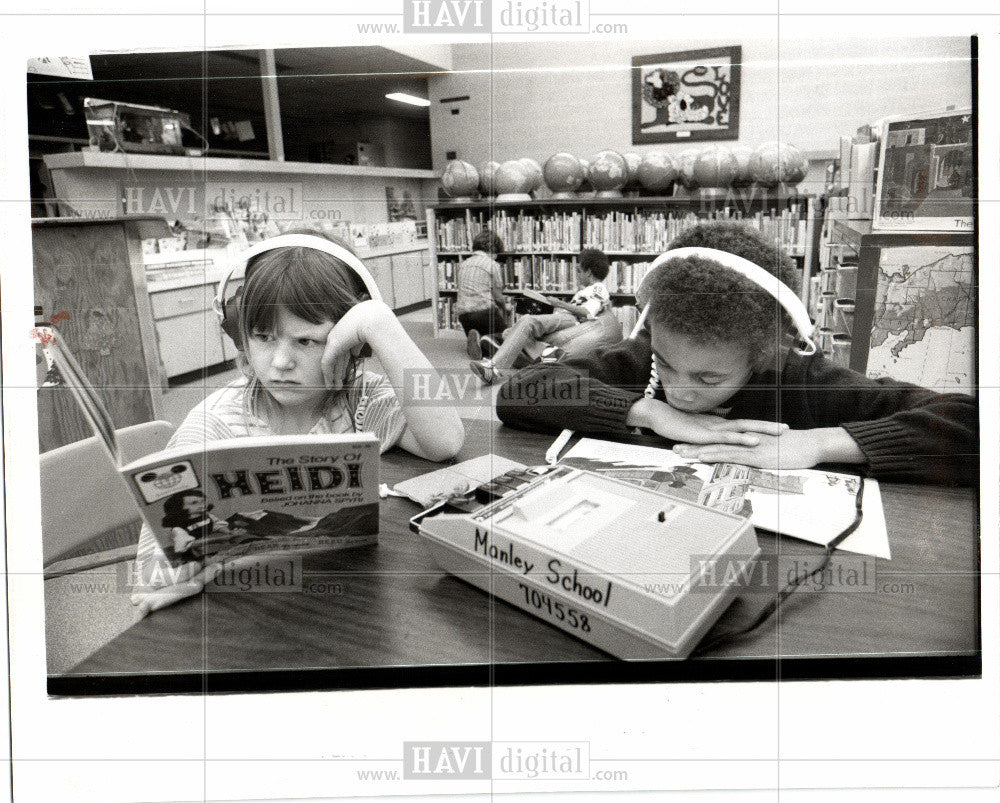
x,y
543,238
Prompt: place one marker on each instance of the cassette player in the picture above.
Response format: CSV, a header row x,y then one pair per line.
x,y
634,572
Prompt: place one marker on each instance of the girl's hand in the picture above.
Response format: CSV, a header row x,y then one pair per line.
x,y
794,448
349,335
191,579
699,428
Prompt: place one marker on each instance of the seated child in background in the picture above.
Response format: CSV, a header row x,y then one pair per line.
x,y
304,315
570,319
715,372
480,302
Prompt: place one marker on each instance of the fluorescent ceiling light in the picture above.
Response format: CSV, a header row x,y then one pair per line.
x,y
413,100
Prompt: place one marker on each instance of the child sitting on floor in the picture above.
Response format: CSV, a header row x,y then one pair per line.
x,y
570,320
725,369
308,311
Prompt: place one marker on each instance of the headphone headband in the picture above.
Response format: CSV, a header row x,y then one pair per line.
x,y
313,241
755,273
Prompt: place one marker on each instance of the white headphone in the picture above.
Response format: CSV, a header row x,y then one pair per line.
x,y
755,273
314,241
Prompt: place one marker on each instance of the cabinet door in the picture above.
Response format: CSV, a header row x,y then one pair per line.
x,y
430,274
381,269
408,278
182,301
189,342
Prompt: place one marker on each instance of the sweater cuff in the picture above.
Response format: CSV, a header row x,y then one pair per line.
x,y
607,409
885,445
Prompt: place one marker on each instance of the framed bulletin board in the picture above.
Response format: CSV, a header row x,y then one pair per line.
x,y
688,96
915,310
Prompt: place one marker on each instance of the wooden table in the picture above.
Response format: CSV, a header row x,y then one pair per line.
x,y
387,616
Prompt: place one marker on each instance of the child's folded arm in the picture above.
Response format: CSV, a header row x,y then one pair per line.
x,y
589,393
561,396
907,433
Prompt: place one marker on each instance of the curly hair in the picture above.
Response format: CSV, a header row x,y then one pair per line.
x,y
595,261
710,303
488,242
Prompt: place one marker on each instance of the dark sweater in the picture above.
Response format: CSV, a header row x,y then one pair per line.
x,y
907,433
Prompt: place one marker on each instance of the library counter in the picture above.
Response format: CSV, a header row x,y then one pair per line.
x,y
387,616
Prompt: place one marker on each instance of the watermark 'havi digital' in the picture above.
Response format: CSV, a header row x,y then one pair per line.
x,y
448,15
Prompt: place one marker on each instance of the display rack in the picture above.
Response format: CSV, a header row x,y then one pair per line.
x,y
543,238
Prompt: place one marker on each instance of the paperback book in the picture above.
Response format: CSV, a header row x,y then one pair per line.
x,y
242,496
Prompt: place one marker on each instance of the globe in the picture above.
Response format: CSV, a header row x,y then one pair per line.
x,y
715,167
657,172
534,171
460,179
486,172
685,168
512,182
778,163
608,173
744,170
632,160
563,174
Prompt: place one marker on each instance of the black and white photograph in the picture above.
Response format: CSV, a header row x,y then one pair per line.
x,y
496,400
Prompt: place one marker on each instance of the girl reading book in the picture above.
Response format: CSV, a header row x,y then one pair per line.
x,y
307,314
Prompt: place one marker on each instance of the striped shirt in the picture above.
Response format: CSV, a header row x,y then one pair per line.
x,y
224,415
478,277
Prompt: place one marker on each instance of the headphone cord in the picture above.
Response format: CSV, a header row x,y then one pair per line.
x,y
772,607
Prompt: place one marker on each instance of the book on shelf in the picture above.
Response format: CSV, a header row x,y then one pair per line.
x,y
447,317
635,573
447,275
242,496
616,231
540,272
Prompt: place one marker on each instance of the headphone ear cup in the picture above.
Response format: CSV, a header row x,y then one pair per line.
x,y
230,323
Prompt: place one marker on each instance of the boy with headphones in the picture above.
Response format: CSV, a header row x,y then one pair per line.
x,y
723,365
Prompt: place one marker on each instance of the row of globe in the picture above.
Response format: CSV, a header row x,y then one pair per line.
x,y
609,172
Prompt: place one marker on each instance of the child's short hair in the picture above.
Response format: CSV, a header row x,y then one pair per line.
x,y
712,304
488,242
308,283
595,261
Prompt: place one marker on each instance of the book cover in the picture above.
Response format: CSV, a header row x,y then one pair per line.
x,y
260,495
537,298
